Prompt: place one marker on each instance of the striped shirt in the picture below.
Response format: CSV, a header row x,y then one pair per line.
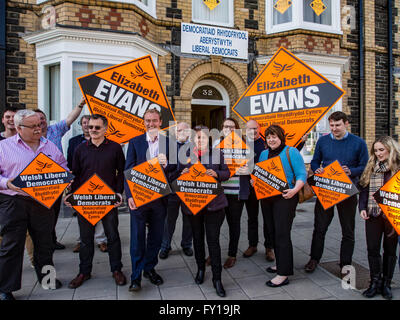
x,y
231,186
15,156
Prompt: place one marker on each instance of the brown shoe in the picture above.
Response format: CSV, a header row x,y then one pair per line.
x,y
249,252
119,277
311,265
208,261
230,262
77,247
103,247
269,255
77,282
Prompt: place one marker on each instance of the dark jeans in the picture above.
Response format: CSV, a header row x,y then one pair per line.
x,y
174,202
208,223
144,249
56,208
86,252
233,214
375,228
17,215
322,219
278,215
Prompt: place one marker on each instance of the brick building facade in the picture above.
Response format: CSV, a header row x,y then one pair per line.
x,y
49,43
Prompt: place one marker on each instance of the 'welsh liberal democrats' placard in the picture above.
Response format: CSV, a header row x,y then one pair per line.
x,y
332,186
93,199
388,198
289,93
123,93
207,40
43,180
269,178
147,182
235,150
196,189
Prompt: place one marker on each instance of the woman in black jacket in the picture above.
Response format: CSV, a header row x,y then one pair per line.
x,y
209,220
382,164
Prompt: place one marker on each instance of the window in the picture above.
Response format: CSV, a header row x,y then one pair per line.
x,y
301,14
54,93
221,15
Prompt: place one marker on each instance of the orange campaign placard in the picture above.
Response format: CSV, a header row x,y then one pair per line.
x,y
43,180
147,182
332,186
269,178
123,93
289,93
235,150
388,199
93,199
196,189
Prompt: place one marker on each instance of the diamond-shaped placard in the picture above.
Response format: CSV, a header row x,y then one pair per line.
x,y
318,6
93,199
196,189
388,198
282,5
211,4
332,186
269,178
289,93
147,182
236,152
43,180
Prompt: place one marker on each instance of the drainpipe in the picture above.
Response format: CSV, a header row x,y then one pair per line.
x,y
361,67
2,56
390,130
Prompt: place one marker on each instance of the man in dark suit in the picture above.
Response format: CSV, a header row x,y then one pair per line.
x,y
144,251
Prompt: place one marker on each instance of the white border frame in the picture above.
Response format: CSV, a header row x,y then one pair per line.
x,y
231,17
297,19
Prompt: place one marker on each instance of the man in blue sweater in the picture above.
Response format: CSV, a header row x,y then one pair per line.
x,y
352,153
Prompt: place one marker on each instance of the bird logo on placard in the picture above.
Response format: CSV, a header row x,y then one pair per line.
x,y
289,136
140,73
397,184
113,132
151,169
332,172
94,187
273,167
42,165
279,68
197,173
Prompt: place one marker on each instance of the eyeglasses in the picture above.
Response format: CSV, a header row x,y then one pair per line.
x,y
229,127
31,127
95,127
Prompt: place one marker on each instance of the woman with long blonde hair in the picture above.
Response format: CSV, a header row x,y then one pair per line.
x,y
383,163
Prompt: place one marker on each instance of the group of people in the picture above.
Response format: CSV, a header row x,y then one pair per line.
x,y
152,225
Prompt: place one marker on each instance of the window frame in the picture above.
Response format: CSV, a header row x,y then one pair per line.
x,y
297,19
213,23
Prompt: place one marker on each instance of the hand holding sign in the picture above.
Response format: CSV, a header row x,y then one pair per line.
x,y
211,173
11,186
162,159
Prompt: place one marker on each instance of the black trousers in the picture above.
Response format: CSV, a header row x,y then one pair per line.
x,y
208,223
322,220
233,214
377,228
279,214
86,252
17,215
56,208
174,202
252,223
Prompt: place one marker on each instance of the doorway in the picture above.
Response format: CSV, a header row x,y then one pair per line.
x,y
210,116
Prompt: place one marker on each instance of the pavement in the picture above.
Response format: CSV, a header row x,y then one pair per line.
x,y
245,281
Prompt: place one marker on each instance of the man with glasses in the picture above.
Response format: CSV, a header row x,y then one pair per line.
x,y
105,158
19,213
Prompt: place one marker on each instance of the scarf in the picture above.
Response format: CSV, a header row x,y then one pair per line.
x,y
376,182
276,152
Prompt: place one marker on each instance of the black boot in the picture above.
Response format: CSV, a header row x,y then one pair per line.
x,y
219,288
199,276
389,264
375,285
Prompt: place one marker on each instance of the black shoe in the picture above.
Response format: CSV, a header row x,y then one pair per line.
x,y
153,276
163,254
270,270
135,285
219,289
199,276
6,296
386,289
188,251
273,285
58,246
374,288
